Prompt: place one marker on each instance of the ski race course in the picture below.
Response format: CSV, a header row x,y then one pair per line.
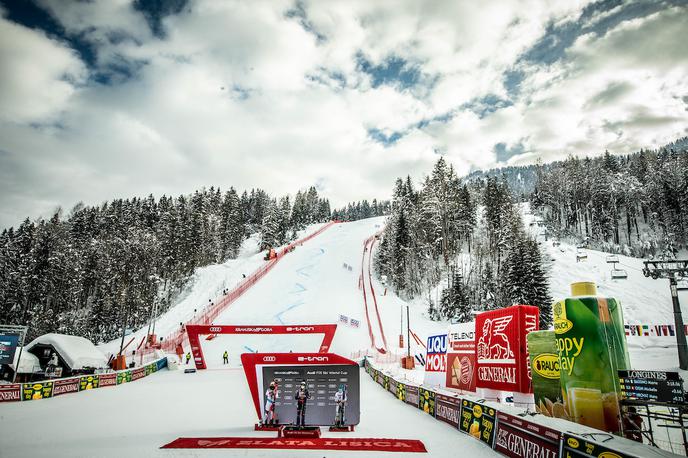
x,y
328,279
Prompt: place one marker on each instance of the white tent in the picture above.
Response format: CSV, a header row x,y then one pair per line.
x,y
77,352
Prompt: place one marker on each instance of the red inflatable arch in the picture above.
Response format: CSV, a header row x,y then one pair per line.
x,y
196,330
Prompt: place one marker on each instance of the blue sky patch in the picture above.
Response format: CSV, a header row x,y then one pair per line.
x,y
393,71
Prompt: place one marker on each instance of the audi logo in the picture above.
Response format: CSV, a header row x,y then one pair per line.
x,y
215,329
267,359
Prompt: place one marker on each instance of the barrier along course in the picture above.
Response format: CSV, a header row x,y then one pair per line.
x,y
53,388
509,431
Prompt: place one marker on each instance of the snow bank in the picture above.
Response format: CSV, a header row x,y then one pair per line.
x,y
77,352
28,363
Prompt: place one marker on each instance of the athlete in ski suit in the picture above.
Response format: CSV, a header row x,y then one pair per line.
x,y
340,400
302,396
270,397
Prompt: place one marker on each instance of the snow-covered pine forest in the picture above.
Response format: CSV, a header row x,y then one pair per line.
x,y
460,245
78,273
636,204
467,238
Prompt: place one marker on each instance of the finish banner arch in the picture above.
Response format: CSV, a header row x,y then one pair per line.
x,y
194,331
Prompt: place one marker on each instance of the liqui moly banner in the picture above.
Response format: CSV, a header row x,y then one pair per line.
x,y
501,350
436,360
461,368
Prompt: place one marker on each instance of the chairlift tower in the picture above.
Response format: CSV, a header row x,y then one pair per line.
x,y
674,270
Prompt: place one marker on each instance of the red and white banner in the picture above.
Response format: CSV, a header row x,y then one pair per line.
x,y
448,409
436,360
501,351
328,443
9,393
107,380
518,438
461,366
138,373
64,386
194,332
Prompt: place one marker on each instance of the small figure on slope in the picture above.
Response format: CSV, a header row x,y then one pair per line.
x,y
302,396
225,358
188,358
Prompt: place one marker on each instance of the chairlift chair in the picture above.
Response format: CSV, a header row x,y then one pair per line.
x,y
612,259
619,274
581,257
682,284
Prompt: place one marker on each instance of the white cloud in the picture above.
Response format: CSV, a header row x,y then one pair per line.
x,y
38,74
231,97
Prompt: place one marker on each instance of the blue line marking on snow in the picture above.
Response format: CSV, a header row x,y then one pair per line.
x,y
294,305
300,271
250,349
299,289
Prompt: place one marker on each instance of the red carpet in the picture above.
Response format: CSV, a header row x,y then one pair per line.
x,y
350,444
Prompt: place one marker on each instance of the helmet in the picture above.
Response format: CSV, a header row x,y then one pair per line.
x,y
272,384
303,384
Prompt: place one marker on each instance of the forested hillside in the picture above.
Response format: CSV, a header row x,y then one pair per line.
x,y
80,273
635,204
469,239
361,210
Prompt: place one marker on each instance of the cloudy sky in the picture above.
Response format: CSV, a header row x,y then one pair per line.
x,y
103,99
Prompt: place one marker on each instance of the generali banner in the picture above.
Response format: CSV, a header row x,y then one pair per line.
x,y
501,351
461,367
9,393
517,438
448,409
436,360
64,386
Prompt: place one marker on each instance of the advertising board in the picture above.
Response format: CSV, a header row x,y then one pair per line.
x,y
592,349
448,409
517,438
322,383
108,380
478,420
578,447
501,350
38,390
10,393
426,401
436,361
123,377
138,373
412,395
461,367
323,374
89,382
64,386
544,370
8,346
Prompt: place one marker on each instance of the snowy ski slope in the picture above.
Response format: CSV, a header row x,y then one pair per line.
x,y
310,285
